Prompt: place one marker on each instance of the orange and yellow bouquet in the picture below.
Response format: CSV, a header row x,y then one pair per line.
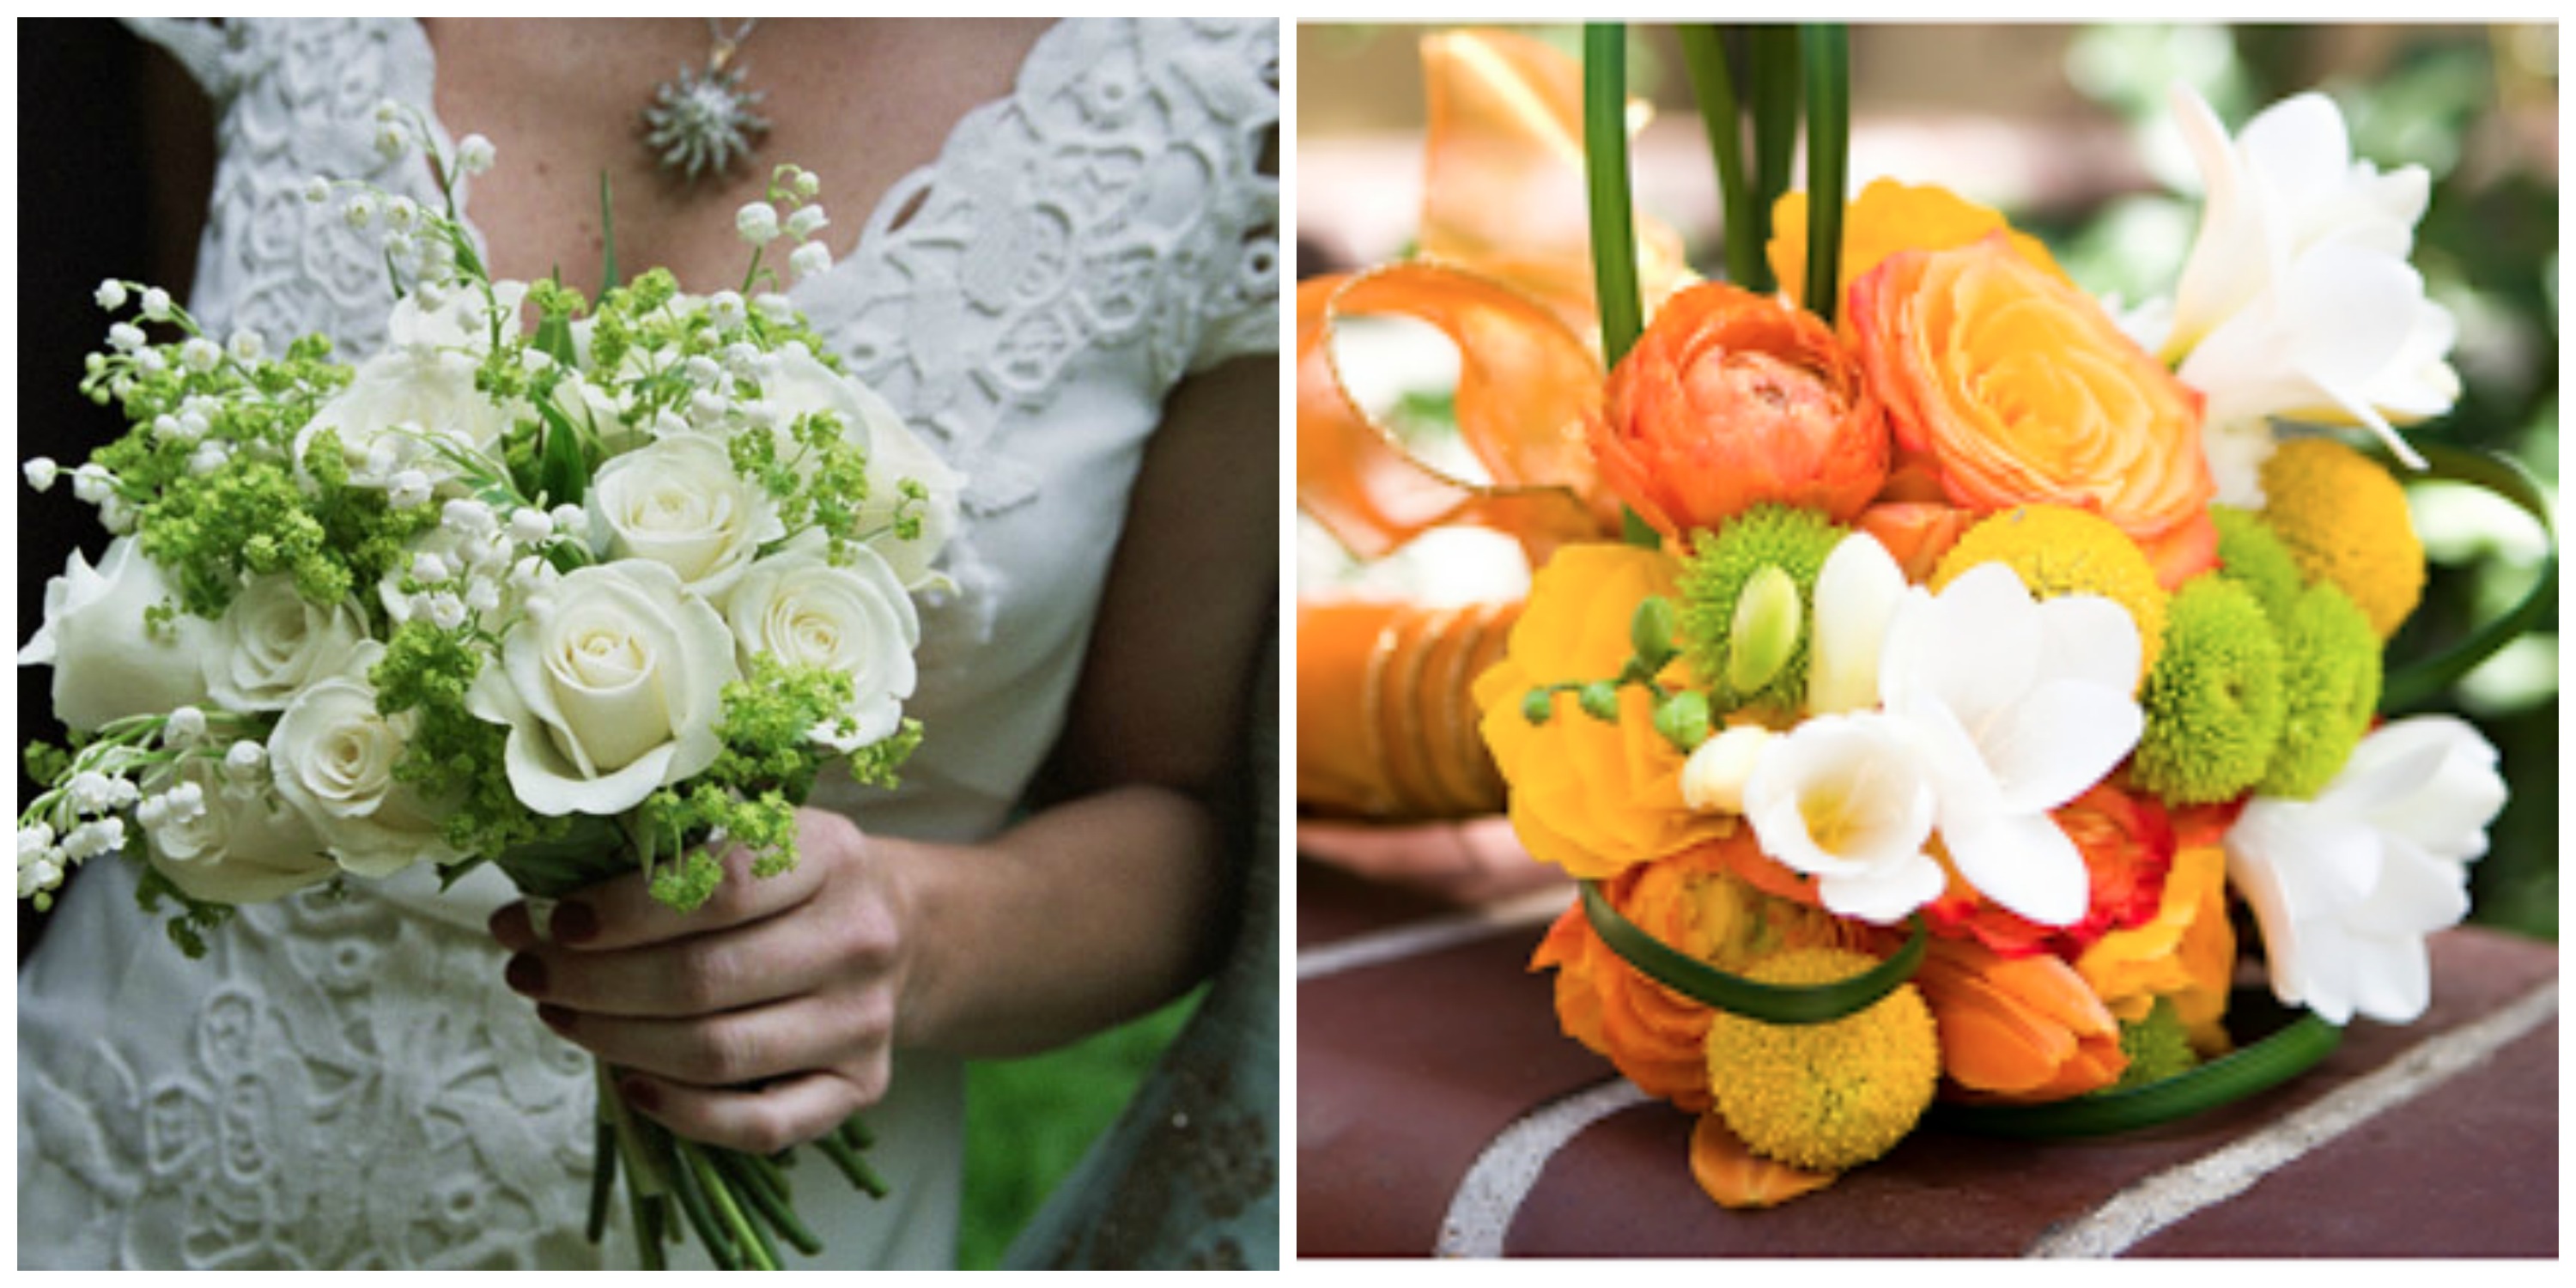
x,y
1961,653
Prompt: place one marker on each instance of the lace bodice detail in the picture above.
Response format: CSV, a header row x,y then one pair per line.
x,y
343,1081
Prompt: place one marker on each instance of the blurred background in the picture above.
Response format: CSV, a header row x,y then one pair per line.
x,y
2065,129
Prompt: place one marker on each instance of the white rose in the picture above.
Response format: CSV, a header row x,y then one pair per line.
x,y
333,756
243,847
107,663
270,644
678,503
801,609
414,390
611,686
801,385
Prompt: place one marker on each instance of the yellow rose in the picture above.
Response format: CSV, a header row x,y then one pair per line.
x,y
1886,218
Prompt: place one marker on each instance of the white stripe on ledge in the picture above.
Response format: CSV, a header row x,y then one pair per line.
x,y
2172,1195
1417,938
1480,1213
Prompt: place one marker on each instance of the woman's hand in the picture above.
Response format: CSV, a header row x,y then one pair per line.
x,y
757,1022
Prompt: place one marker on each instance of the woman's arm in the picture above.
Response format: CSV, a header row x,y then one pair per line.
x,y
1098,907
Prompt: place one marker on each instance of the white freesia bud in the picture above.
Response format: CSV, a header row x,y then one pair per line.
x,y
757,222
1857,594
1714,776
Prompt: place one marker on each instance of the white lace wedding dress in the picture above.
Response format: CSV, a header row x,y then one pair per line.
x,y
344,1082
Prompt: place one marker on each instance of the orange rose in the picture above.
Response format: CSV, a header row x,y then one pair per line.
x,y
2021,1029
1590,796
1689,901
2021,391
1888,217
2128,847
1731,399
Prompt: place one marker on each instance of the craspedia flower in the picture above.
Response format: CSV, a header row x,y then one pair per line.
x,y
2344,520
2214,700
2251,555
1722,567
1825,1096
2330,674
2060,550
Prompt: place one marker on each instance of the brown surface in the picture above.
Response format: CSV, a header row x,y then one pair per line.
x,y
1407,1070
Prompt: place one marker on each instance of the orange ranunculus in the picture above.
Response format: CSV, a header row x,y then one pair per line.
x,y
1588,795
1731,399
2021,391
1691,902
1888,217
2186,953
2128,848
2022,1029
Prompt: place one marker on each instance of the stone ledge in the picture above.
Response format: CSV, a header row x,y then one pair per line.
x,y
1408,1069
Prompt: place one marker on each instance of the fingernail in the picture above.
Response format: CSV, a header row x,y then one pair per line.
x,y
639,1093
555,1017
526,975
575,923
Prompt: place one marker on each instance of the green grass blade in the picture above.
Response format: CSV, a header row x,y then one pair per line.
x,y
1825,50
1769,1003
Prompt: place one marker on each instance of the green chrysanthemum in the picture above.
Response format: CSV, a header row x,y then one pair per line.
x,y
1721,567
2158,1047
2250,553
2330,672
2214,702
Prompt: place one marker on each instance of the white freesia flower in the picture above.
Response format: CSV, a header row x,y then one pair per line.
x,y
610,685
107,663
803,610
679,503
270,644
2015,707
1849,799
1857,594
2298,300
2346,886
241,847
333,756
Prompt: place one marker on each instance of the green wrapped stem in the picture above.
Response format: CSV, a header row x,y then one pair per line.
x,y
2425,679
2287,1052
1769,1003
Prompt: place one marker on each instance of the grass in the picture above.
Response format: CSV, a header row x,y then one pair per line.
x,y
1028,1122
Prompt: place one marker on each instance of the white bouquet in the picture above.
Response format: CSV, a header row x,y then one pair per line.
x,y
564,587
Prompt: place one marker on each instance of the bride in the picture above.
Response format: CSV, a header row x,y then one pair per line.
x,y
1054,248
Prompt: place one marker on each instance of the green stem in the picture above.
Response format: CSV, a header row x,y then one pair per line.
x,y
1713,85
758,1252
853,1166
1774,81
1769,1003
2425,679
1605,156
1826,50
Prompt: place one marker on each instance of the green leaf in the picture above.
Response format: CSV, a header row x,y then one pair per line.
x,y
1605,156
1704,56
563,472
1769,1003
2426,678
1774,94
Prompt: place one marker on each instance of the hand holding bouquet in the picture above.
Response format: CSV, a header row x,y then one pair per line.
x,y
571,588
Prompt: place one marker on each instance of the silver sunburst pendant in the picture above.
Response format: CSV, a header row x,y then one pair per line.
x,y
701,122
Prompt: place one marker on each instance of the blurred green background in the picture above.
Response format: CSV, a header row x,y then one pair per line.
x,y
2066,129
